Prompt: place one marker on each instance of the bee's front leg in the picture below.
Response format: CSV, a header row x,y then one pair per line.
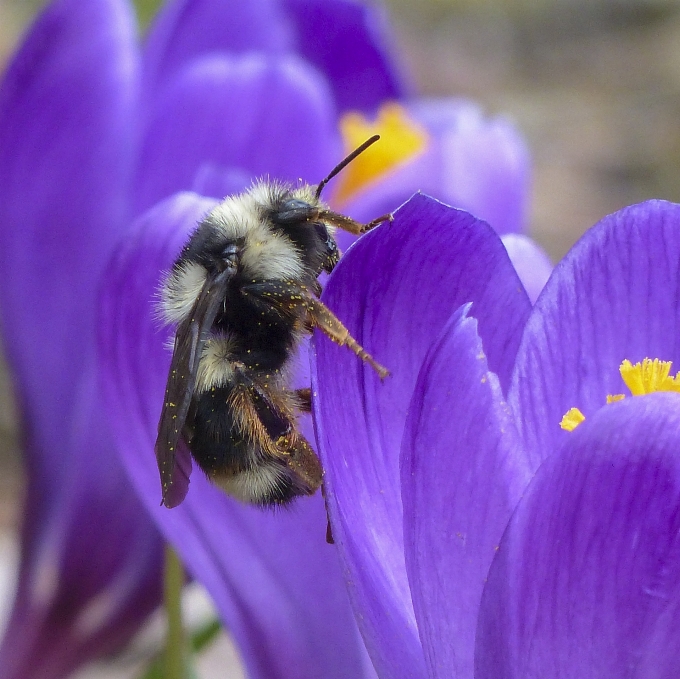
x,y
320,316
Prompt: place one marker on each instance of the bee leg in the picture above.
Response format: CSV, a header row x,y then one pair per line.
x,y
265,419
320,316
389,217
329,529
316,286
301,460
350,225
304,399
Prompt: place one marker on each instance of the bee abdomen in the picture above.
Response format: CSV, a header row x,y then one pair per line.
x,y
270,483
248,445
216,444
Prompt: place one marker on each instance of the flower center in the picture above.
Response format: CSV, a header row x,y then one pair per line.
x,y
642,378
402,140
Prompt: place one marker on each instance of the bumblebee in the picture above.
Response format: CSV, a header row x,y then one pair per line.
x,y
243,293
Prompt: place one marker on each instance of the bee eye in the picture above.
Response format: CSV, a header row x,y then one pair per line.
x,y
322,231
324,236
332,254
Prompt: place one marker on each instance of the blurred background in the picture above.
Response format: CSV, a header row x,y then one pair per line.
x,y
594,85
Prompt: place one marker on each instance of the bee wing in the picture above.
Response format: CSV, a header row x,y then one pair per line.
x,y
178,484
172,454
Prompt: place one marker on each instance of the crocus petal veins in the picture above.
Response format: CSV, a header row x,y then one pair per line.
x,y
403,139
645,377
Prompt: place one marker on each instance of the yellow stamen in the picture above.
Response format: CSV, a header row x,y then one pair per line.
x,y
642,378
402,139
572,418
649,376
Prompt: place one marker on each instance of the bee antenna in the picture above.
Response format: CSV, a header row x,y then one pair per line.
x,y
344,163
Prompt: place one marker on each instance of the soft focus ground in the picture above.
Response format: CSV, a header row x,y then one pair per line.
x,y
593,84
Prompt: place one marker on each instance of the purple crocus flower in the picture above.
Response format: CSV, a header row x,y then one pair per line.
x,y
479,539
467,160
277,585
93,130
90,559
95,135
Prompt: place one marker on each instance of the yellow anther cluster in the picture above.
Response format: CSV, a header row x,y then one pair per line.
x,y
649,376
402,139
642,378
572,418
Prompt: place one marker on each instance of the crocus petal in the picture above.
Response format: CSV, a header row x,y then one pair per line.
x,y
186,29
83,590
219,111
611,298
471,162
275,581
350,42
395,289
463,471
485,164
531,263
66,112
587,578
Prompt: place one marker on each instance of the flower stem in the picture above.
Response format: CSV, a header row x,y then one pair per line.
x,y
176,650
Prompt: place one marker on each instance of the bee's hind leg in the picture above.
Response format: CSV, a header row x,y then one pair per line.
x,y
304,399
329,529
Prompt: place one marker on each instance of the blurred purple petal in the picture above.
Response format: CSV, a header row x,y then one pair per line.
x,y
485,164
220,111
217,181
587,578
275,581
67,105
68,98
186,29
530,261
82,593
462,473
350,41
611,298
395,289
478,164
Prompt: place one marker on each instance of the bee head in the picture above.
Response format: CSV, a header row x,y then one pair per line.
x,y
212,248
226,258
